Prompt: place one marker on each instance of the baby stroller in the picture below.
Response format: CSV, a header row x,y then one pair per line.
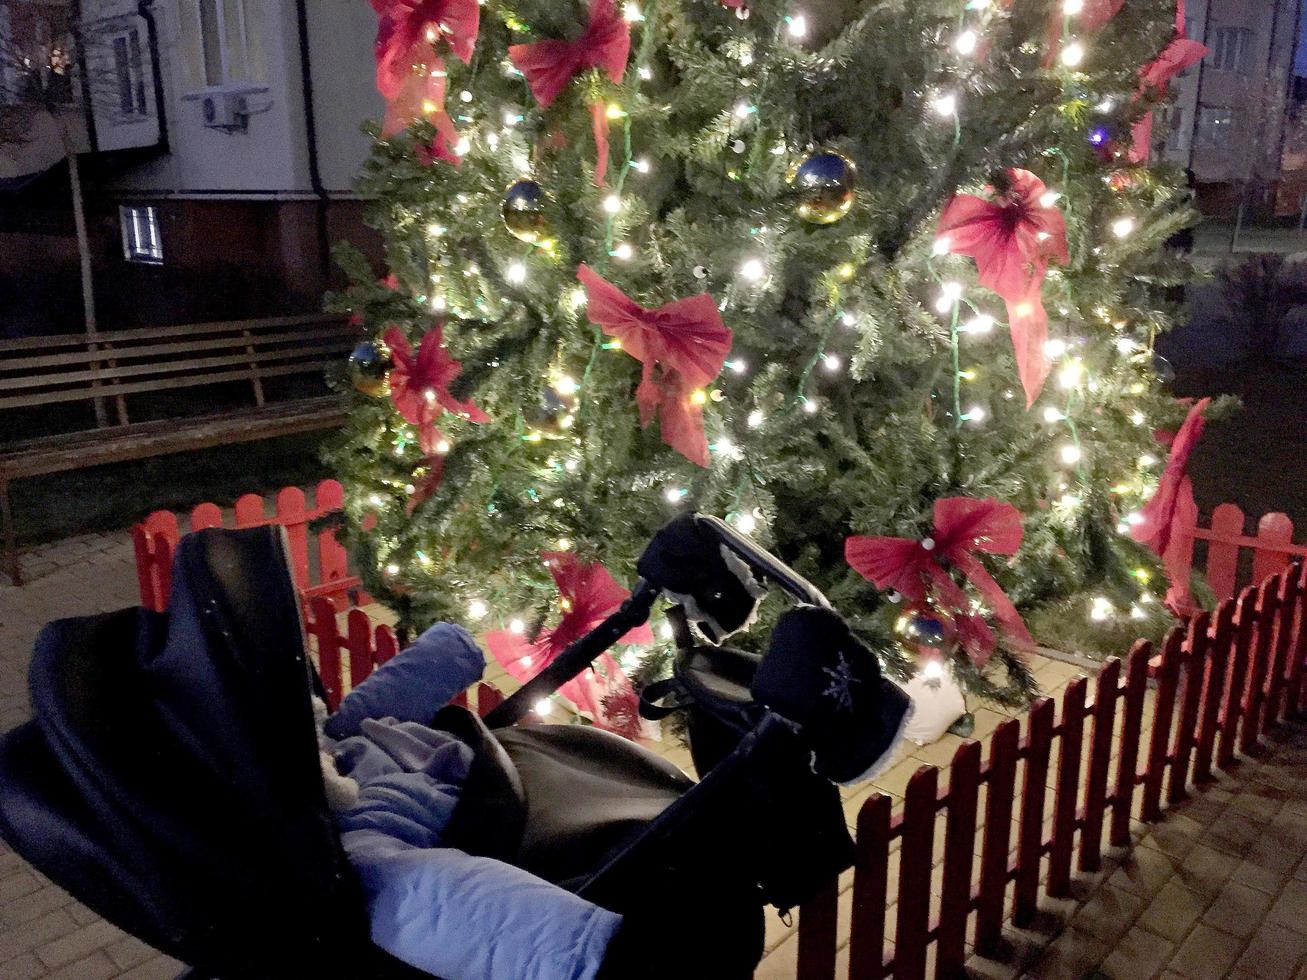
x,y
170,779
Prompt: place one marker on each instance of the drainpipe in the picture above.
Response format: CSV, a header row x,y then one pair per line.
x,y
311,132
143,7
88,109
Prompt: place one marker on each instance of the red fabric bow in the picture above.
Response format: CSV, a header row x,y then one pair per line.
x,y
682,346
419,386
1092,16
410,75
1012,236
1153,80
589,595
1172,509
550,65
919,570
442,144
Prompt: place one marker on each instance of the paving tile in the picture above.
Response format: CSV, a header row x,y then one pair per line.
x,y
1269,880
129,952
1206,954
1206,870
1274,953
1108,913
1173,911
1069,957
97,966
1144,871
1139,955
78,943
1237,910
25,967
40,930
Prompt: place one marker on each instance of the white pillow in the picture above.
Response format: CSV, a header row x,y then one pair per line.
x,y
936,704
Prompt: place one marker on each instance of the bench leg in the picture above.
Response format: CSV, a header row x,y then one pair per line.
x,y
7,527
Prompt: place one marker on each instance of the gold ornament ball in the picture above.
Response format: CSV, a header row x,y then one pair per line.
x,y
524,213
823,185
552,414
369,368
921,629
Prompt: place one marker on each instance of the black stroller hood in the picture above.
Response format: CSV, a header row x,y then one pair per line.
x,y
170,779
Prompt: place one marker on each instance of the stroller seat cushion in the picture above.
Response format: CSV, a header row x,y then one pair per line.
x,y
588,793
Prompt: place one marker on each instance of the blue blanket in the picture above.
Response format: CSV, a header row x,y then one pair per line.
x,y
437,908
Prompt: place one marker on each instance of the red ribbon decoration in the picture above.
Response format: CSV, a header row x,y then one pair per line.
x,y
419,386
410,75
442,144
589,595
433,458
919,570
1012,236
682,346
550,65
1092,16
1172,508
1153,80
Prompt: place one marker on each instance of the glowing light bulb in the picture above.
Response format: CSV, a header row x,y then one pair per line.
x,y
1125,345
543,707
739,365
462,147
1138,418
515,273
674,495
564,544
1071,375
612,204
1069,454
1052,415
698,397
645,74
517,626
831,362
578,296
755,419
753,270
1147,459
442,447
511,118
1055,348
436,229
1101,609
1048,199
983,323
848,319
932,670
945,105
465,96
1134,517
810,406
746,523
477,609
1072,7
566,385
1073,54
966,43
641,165
623,252
742,111
438,303
571,465
798,26
942,245
631,11
976,413
1107,105
392,569
1122,227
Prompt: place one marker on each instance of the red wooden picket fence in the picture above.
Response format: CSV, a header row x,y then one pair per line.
x,y
1224,679
345,657
319,572
1232,559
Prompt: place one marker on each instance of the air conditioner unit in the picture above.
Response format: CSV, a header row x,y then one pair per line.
x,y
226,111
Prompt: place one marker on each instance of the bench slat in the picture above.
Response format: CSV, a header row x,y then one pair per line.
x,y
147,333
130,442
87,394
238,339
79,378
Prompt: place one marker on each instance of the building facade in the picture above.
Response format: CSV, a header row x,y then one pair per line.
x,y
223,138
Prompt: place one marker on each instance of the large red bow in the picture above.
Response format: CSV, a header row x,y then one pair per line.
x,y
410,75
1173,508
1012,235
419,386
682,346
1153,80
550,65
920,570
589,596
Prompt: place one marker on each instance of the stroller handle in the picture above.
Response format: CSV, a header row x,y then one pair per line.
x,y
635,612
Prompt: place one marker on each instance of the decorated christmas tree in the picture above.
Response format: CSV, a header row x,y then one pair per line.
x,y
875,281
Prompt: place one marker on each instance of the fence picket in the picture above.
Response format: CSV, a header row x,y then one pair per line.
x,y
1100,756
1066,792
1127,765
817,938
1268,602
959,845
1244,633
1034,788
1218,650
912,932
1222,553
870,881
1297,647
323,628
333,562
205,515
1287,592
1194,667
1274,532
359,638
1000,783
293,516
249,510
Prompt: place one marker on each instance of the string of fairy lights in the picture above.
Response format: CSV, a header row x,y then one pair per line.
x,y
963,313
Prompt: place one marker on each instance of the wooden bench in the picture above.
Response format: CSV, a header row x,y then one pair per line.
x,y
111,367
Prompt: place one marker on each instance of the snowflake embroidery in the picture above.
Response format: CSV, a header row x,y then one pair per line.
x,y
840,689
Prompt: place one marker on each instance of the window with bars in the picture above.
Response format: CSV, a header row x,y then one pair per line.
x,y
1215,126
1232,49
141,241
129,74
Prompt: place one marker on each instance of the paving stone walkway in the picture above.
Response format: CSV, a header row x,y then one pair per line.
x,y
1217,889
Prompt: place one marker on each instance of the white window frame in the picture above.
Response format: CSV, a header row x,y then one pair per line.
x,y
134,65
142,241
1232,50
1216,126
222,41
